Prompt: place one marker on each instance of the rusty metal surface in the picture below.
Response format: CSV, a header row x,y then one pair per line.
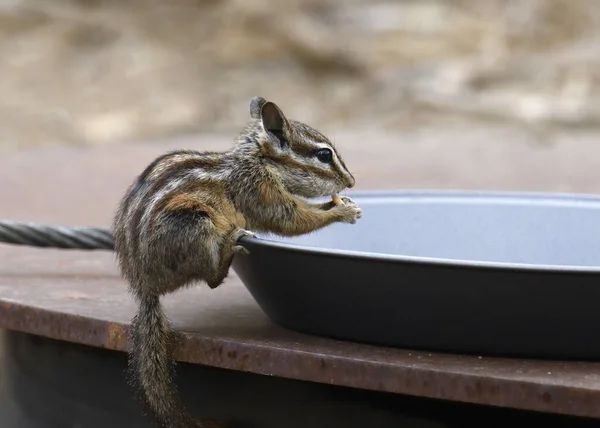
x,y
79,297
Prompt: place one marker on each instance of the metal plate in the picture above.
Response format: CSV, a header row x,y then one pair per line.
x,y
513,274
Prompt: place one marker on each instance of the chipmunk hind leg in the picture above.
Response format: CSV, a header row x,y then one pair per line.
x,y
201,246
223,252
222,247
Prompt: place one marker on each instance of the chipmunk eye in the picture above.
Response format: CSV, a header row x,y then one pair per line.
x,y
324,155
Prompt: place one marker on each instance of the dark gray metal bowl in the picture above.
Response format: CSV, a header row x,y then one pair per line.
x,y
471,272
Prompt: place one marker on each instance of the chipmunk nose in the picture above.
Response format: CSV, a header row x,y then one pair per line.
x,y
351,182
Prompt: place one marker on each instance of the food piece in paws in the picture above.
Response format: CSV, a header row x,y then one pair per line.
x,y
337,200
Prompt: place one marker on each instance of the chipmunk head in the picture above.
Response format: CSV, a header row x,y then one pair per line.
x,y
307,162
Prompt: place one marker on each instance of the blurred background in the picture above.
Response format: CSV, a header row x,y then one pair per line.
x,y
99,72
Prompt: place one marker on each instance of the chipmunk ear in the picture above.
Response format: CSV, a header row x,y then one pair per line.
x,y
275,123
256,104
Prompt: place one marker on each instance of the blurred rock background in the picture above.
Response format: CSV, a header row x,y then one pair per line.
x,y
89,72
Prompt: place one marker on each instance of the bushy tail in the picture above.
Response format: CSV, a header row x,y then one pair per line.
x,y
152,367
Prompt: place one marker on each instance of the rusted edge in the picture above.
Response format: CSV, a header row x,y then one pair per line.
x,y
320,368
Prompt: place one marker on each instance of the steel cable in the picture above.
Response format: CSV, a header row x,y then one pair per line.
x,y
74,238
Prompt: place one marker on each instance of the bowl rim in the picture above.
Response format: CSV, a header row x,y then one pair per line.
x,y
520,196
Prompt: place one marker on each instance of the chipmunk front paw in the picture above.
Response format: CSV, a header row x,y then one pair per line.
x,y
349,212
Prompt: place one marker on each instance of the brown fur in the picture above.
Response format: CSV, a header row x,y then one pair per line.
x,y
183,202
179,224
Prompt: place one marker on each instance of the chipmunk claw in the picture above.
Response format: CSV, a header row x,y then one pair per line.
x,y
243,232
240,249
237,235
358,213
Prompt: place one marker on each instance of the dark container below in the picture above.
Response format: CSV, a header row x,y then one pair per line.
x,y
512,274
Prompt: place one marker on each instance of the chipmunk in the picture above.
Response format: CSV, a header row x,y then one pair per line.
x,y
179,224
